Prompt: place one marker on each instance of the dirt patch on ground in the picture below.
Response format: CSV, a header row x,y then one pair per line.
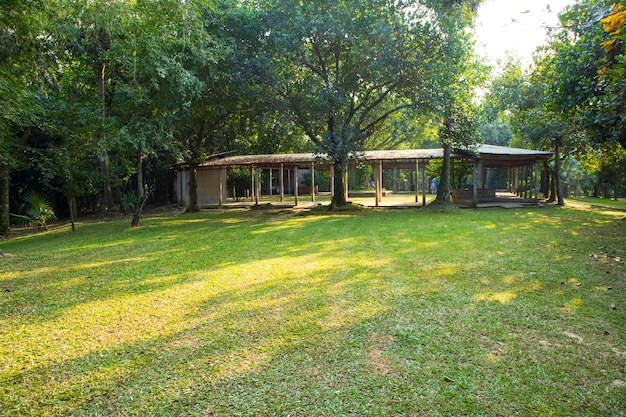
x,y
378,344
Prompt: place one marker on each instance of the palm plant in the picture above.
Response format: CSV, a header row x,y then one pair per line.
x,y
38,210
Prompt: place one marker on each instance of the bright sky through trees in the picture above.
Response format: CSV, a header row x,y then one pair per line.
x,y
517,27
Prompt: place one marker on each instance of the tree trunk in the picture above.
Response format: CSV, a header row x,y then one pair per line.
x,y
109,204
339,190
5,182
138,209
557,171
545,180
71,202
196,144
444,193
5,224
141,191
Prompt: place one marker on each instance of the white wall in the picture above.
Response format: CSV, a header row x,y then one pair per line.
x,y
208,186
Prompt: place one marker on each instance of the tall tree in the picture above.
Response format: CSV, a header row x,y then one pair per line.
x,y
458,75
347,67
93,31
218,80
19,87
578,98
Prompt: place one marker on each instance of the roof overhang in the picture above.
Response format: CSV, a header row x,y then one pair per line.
x,y
489,155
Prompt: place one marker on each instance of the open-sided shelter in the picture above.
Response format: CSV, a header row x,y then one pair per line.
x,y
285,173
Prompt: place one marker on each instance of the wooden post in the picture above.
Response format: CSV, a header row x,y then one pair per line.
x,y
258,186
332,181
295,189
508,179
288,181
345,180
313,181
220,187
536,169
527,185
475,184
424,186
380,181
281,179
395,180
252,183
270,184
417,178
376,169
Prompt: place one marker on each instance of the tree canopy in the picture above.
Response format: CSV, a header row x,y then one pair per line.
x,y
100,98
571,101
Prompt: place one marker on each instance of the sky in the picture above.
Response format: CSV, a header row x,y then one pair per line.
x,y
516,26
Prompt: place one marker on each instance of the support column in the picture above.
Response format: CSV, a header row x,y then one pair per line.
x,y
332,181
417,178
258,186
288,181
295,183
281,179
313,181
380,181
475,184
424,186
345,181
536,170
271,184
395,180
220,187
252,193
376,169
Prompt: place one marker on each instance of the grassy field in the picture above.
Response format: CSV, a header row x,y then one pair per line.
x,y
275,313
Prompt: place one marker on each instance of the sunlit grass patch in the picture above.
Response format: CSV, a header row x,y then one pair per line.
x,y
364,313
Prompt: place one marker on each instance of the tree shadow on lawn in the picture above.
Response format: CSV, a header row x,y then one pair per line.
x,y
340,344
372,333
116,265
223,337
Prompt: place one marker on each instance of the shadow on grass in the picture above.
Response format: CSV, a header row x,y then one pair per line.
x,y
376,314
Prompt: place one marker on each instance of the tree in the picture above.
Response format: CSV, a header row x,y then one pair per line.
x,y
503,94
91,33
611,105
219,81
345,68
458,76
538,124
583,84
19,107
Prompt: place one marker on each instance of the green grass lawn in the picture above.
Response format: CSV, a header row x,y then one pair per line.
x,y
273,313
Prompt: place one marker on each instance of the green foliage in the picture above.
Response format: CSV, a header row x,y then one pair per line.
x,y
588,81
322,178
346,75
238,181
570,101
496,133
37,210
129,201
